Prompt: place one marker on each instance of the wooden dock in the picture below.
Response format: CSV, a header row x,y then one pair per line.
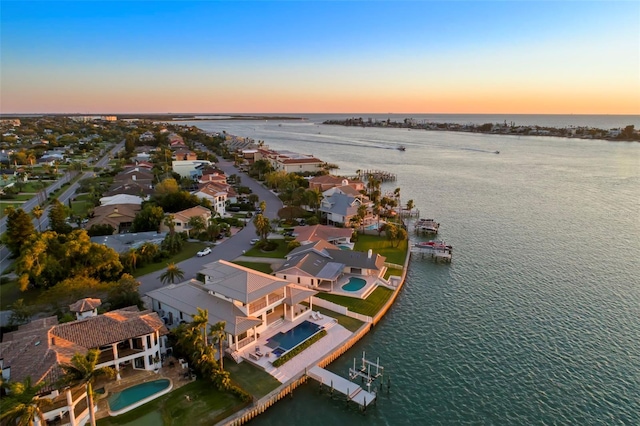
x,y
352,391
438,254
379,175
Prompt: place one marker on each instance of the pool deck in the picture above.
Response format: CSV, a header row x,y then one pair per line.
x,y
131,377
336,334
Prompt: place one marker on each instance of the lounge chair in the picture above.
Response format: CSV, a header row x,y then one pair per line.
x,y
314,315
319,315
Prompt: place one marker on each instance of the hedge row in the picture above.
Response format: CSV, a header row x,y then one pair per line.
x,y
295,351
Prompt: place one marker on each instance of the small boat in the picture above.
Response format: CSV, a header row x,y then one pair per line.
x,y
428,226
402,148
434,244
497,152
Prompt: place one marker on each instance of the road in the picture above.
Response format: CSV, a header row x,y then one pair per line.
x,y
229,249
5,262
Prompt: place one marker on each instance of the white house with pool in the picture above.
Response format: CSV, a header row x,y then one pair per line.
x,y
124,337
326,267
248,301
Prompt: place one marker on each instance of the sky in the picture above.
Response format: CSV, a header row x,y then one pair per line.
x,y
476,57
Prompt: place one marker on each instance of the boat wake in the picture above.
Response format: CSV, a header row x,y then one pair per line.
x,y
480,150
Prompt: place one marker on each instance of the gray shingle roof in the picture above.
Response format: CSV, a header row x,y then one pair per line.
x,y
239,283
188,296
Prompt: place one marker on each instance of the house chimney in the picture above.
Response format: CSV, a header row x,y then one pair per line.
x,y
369,254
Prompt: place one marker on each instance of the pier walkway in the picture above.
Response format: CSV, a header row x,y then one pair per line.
x,y
353,391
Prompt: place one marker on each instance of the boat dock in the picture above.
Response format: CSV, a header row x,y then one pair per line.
x,y
352,391
379,175
438,252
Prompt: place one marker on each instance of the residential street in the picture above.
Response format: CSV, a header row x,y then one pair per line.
x,y
229,249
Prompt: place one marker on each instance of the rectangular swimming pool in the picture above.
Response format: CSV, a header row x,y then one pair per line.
x,y
293,337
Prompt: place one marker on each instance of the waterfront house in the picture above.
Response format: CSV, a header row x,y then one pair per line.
x,y
310,234
338,209
325,182
248,301
125,338
189,168
290,162
321,265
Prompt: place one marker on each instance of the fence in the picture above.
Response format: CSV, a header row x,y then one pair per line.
x,y
340,309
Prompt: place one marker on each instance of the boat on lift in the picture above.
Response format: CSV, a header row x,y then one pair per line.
x,y
427,226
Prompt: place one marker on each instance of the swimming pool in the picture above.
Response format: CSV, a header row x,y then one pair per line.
x,y
135,396
354,284
292,338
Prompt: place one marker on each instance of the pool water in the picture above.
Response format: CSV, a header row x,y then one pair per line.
x,y
354,284
293,337
135,394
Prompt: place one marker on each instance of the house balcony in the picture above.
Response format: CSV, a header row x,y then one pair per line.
x,y
107,355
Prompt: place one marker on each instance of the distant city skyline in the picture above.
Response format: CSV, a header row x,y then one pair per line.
x,y
320,57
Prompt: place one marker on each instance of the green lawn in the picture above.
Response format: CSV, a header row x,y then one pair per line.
x,y
392,271
4,204
382,246
349,323
369,306
252,379
81,208
258,266
189,250
10,292
206,406
278,253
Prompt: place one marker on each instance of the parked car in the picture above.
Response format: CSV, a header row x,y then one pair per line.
x,y
255,240
205,251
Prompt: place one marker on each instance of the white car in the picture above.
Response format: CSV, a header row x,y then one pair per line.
x,y
255,240
204,252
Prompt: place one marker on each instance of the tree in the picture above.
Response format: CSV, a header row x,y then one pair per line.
x,y
99,229
201,321
148,219
172,243
19,230
167,186
263,226
22,406
124,292
196,225
82,370
218,335
172,274
58,218
362,213
37,212
253,199
20,313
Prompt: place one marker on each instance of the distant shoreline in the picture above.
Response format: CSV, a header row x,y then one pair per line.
x,y
628,134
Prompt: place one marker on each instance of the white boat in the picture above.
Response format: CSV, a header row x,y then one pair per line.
x,y
428,226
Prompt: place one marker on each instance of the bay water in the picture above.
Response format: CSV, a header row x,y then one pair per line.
x,y
537,318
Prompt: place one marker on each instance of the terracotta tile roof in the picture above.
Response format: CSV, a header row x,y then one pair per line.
x,y
109,328
85,305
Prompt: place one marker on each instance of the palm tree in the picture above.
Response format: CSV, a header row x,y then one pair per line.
x,y
200,321
37,212
197,225
218,335
263,226
132,257
22,406
169,221
171,274
82,370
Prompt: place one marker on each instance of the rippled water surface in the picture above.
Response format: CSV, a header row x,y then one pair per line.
x,y
536,320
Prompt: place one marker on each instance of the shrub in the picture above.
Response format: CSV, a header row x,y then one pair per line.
x,y
295,351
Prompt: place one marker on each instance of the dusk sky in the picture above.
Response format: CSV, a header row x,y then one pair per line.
x,y
539,57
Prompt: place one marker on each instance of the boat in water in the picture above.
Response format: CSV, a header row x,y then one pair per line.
x,y
427,226
402,148
435,245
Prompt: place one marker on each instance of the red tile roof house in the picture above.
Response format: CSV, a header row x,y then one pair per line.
x,y
217,193
37,349
325,182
